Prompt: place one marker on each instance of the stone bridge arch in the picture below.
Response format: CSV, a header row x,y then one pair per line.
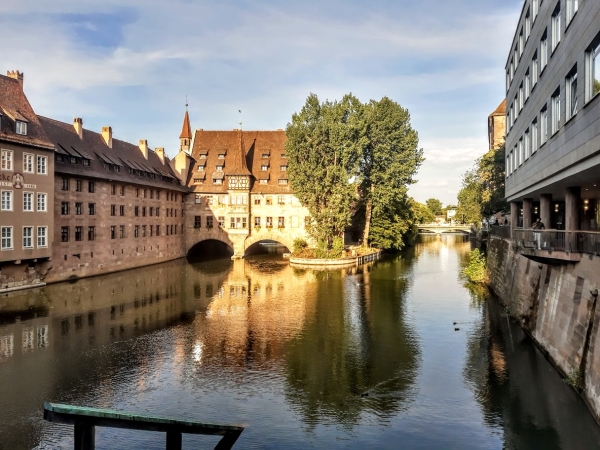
x,y
276,236
202,236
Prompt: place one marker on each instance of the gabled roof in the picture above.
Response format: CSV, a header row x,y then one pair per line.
x,y
186,131
123,154
15,106
500,110
243,149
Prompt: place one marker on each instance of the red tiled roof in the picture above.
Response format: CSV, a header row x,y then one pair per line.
x,y
255,144
93,147
14,105
500,110
186,131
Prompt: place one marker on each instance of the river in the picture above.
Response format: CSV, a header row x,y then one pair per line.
x,y
356,358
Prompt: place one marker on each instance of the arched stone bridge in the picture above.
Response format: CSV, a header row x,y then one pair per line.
x,y
439,229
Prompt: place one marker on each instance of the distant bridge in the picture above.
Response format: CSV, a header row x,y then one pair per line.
x,y
446,228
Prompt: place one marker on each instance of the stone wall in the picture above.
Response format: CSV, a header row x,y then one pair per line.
x,y
556,306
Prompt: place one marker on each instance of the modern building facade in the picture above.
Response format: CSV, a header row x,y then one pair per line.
x,y
26,189
552,115
117,205
240,190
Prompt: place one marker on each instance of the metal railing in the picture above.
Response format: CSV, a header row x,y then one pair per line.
x,y
587,242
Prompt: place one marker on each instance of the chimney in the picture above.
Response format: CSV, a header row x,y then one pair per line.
x,y
144,147
160,152
78,125
17,76
107,136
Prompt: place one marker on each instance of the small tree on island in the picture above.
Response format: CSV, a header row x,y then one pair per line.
x,y
347,157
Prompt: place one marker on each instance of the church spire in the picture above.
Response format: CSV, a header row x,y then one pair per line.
x,y
186,132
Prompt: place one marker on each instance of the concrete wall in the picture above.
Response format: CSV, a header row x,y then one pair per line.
x,y
556,306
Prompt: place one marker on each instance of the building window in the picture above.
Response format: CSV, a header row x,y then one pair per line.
x,y
283,168
113,210
281,199
555,102
209,221
220,168
91,187
534,70
221,221
534,136
281,222
265,155
544,51
269,200
221,156
544,126
158,230
143,230
257,200
521,42
263,181
556,27
257,222
64,208
571,85
42,237
113,189
121,231
535,7
198,199
21,127
91,233
91,209
200,168
527,85
136,231
593,70
507,166
78,185
78,208
151,194
283,181
269,222
232,222
136,211
79,233
27,237
27,201
157,211
217,181
42,202
64,234
520,151
197,221
27,163
527,25
86,162
7,238
527,144
7,160
121,210
122,190
572,7
143,211
264,167
65,184
42,165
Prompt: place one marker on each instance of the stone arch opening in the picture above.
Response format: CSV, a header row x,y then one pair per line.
x,y
209,249
266,246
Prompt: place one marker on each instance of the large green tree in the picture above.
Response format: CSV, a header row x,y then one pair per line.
x,y
388,162
435,206
421,213
322,150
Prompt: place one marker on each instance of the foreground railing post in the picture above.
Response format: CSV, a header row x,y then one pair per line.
x,y
84,437
174,440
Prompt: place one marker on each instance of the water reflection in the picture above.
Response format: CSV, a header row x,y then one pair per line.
x,y
354,358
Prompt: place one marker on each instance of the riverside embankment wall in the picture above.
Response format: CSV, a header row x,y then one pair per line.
x,y
557,306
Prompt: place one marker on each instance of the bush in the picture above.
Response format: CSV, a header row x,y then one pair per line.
x,y
299,245
475,270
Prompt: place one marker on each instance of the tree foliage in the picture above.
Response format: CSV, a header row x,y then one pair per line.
x,y
346,157
435,206
421,213
482,192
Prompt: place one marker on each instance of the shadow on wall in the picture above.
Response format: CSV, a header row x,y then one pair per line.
x,y
266,247
209,249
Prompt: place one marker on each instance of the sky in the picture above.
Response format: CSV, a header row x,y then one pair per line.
x,y
131,63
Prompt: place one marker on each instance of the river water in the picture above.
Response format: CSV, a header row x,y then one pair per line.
x,y
366,358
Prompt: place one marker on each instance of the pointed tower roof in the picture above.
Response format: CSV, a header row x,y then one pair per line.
x,y
186,132
238,162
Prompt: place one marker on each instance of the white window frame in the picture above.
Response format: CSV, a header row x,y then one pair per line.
x,y
527,84
534,136
7,200
6,238
527,25
555,102
28,204
571,91
543,126
42,163
534,71
527,144
521,98
572,7
28,237
7,160
21,127
556,28
592,62
44,196
535,7
521,159
543,53
42,237
28,163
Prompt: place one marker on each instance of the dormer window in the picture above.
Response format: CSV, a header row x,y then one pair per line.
x,y
21,127
283,168
200,168
265,155
220,168
221,156
264,167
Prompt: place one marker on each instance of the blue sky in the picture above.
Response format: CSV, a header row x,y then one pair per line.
x,y
130,64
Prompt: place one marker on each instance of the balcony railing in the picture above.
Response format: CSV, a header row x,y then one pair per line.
x,y
587,242
503,232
